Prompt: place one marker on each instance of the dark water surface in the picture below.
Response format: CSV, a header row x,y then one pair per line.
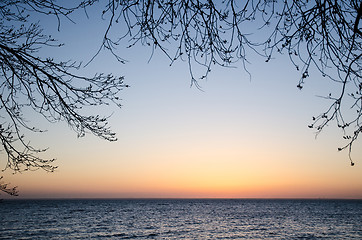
x,y
181,219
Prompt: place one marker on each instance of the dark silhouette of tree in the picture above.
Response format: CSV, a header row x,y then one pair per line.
x,y
324,35
50,88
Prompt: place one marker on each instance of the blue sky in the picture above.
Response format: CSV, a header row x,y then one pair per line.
x,y
237,137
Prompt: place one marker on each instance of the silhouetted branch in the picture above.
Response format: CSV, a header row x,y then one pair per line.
x,y
4,187
48,87
322,35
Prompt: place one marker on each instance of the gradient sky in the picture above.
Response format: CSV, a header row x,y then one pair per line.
x,y
239,137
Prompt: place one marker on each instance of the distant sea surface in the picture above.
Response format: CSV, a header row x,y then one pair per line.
x,y
181,219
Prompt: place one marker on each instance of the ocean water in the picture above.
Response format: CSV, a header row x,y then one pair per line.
x,y
181,219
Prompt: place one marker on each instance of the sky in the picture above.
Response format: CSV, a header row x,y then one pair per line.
x,y
238,137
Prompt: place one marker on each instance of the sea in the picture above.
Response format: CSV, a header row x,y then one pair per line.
x,y
181,219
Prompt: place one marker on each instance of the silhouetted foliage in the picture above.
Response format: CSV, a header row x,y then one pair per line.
x,y
11,191
44,85
323,35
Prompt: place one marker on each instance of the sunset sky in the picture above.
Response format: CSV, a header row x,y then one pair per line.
x,y
239,137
